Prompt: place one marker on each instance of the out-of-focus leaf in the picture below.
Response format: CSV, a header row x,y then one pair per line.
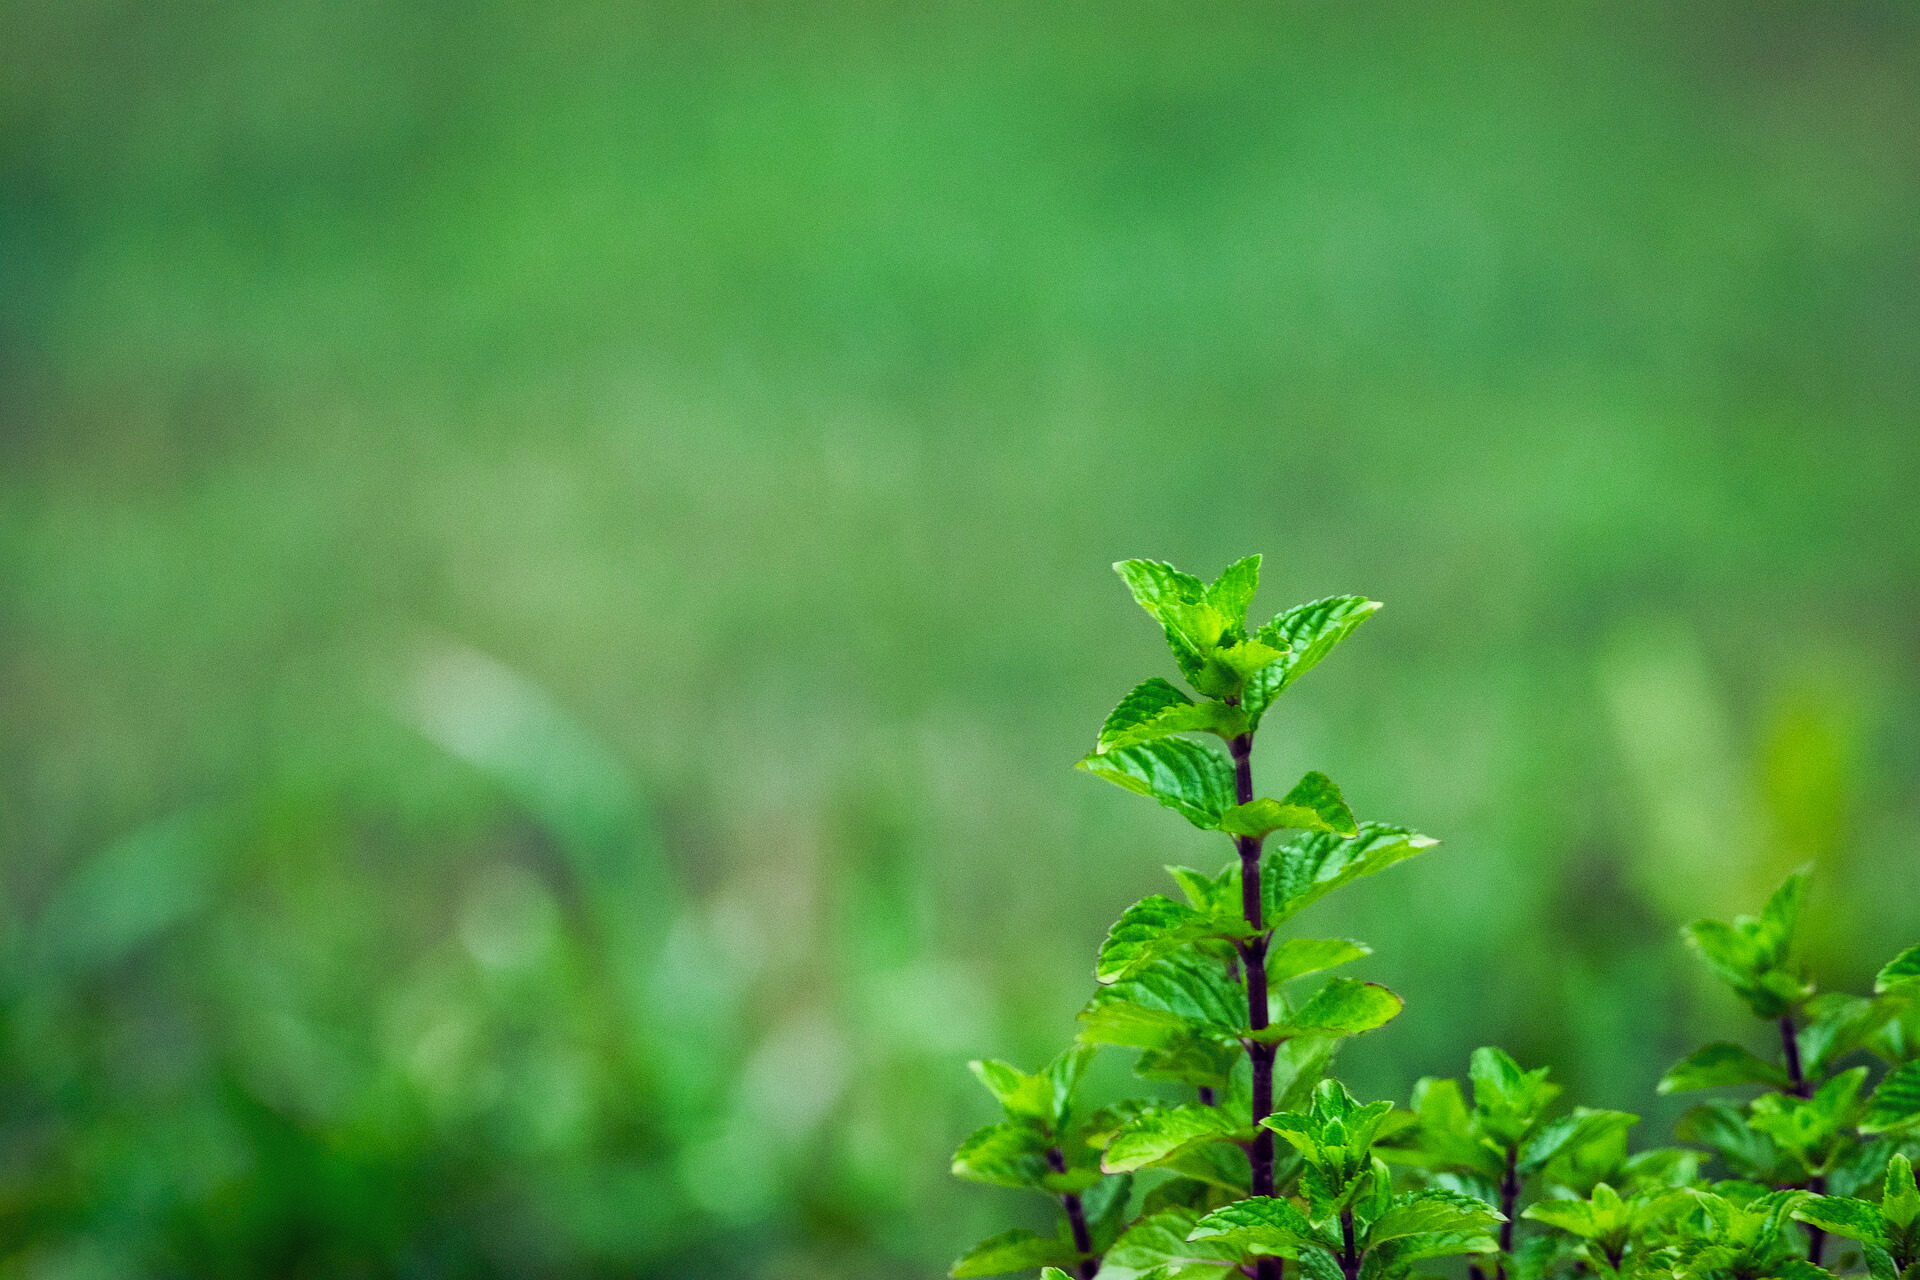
x,y
1895,1104
1717,1065
1903,968
1013,1251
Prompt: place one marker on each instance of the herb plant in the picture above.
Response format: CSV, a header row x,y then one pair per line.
x,y
1263,1159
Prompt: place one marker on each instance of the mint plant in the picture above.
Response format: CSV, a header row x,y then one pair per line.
x,y
1260,1159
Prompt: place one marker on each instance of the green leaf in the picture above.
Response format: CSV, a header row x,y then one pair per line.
x,y
1157,1136
1314,804
1584,1125
1164,1003
1305,634
1900,1200
1158,586
1105,1206
1193,780
1158,1244
1306,868
1298,957
1063,1075
1835,1025
1156,709
1854,1219
1153,927
1013,1251
1429,1211
1904,967
1018,1093
1004,1155
1717,1065
1344,1007
1262,1225
1575,1217
1232,592
1753,955
1895,1105
1053,1273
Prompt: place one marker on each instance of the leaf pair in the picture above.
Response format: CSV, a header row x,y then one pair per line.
x,y
1889,1231
1754,954
1378,1238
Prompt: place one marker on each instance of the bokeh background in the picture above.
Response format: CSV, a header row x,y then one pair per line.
x,y
553,563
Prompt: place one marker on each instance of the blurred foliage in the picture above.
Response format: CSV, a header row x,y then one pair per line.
x,y
548,573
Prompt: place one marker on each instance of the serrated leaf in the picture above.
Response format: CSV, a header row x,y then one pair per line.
x,y
1575,1217
1567,1132
1895,1104
1158,1244
1155,709
1429,1211
1314,804
1017,1250
1306,868
1718,1065
1261,1225
1904,967
1344,1007
1153,927
1156,1136
1306,633
1854,1219
1017,1092
1232,592
1194,781
1298,957
1160,1006
1157,585
1012,1154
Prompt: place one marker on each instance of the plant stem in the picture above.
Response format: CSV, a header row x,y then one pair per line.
x,y
1509,1199
1349,1257
1076,1218
1253,960
1801,1088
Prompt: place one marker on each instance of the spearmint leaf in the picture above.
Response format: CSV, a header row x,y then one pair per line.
x,y
1156,709
1262,1225
1314,804
1344,1007
1306,868
1854,1219
1900,1201
1105,1204
1227,667
1575,1217
1004,1155
1063,1077
1158,586
1017,1092
1895,1105
1157,1136
1836,1025
1232,592
1781,916
1568,1132
1153,927
1158,1244
1717,1065
1165,1004
1297,957
1017,1250
1753,955
1053,1273
1192,780
1428,1211
1305,634
1904,967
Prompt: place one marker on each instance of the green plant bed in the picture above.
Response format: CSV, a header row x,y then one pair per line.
x,y
1268,1164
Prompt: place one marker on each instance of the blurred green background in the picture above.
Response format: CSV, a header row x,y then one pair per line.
x,y
554,564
